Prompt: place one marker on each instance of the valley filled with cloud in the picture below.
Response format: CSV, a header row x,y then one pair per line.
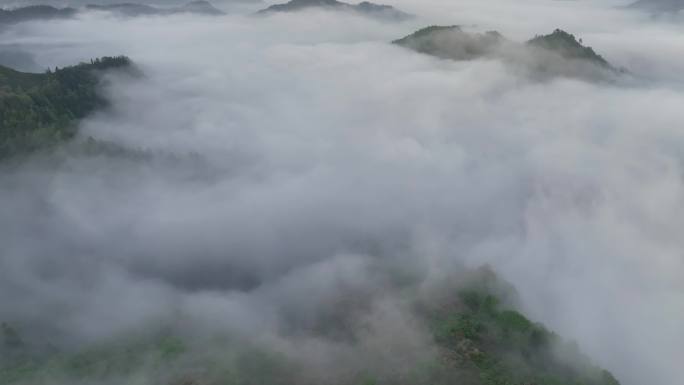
x,y
272,174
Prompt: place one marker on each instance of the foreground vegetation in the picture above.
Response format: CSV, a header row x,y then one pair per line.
x,y
501,346
39,111
479,340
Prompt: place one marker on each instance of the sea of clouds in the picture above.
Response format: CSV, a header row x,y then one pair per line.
x,y
291,153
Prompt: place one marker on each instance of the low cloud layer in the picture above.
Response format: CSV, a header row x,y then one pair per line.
x,y
290,154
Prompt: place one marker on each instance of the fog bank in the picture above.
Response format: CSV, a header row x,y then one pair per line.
x,y
289,154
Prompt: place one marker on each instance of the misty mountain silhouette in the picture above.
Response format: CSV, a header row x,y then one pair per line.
x,y
558,53
568,46
46,12
35,12
451,42
133,9
365,8
658,6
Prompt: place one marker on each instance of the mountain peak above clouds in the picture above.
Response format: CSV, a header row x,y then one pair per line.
x,y
556,54
378,11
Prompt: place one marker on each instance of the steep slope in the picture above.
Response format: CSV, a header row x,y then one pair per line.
x,y
41,110
477,338
378,11
499,345
568,46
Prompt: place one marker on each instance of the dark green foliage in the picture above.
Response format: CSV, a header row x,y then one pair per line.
x,y
451,42
567,46
542,56
41,110
478,340
505,348
164,359
12,79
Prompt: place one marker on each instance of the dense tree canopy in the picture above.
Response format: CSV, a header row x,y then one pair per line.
x,y
568,46
480,341
41,110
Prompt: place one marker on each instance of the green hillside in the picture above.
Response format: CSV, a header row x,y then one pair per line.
x,y
568,46
478,339
41,110
556,54
451,42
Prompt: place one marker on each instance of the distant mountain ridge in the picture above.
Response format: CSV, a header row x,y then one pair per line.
x,y
35,12
379,11
134,9
556,54
658,6
47,12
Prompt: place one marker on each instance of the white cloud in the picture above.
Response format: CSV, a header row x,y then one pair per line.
x,y
318,140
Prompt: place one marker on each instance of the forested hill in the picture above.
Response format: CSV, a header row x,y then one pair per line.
x,y
41,110
478,340
569,47
558,54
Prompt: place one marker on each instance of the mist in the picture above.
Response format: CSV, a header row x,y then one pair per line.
x,y
296,157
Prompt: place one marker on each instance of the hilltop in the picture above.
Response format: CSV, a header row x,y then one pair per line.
x,y
379,11
451,42
568,46
556,54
